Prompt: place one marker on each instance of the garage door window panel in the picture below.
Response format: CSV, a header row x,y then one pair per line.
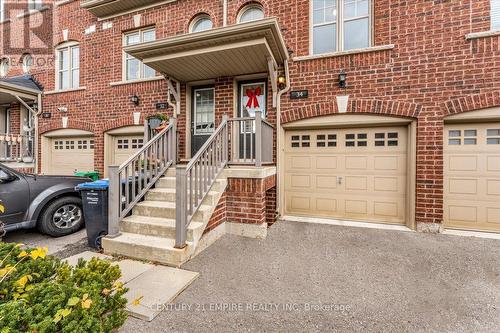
x,y
467,137
356,140
326,140
493,136
137,143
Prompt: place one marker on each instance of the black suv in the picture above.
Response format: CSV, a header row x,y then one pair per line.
x,y
49,203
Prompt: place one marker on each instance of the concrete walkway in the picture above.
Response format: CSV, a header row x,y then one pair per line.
x,y
312,278
150,286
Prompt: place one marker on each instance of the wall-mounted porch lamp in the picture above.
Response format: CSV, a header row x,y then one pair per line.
x,y
282,82
342,79
135,99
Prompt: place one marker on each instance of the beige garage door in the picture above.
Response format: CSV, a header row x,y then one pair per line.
x,y
71,154
125,146
472,176
354,174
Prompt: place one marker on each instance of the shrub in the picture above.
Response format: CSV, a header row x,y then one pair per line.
x,y
39,293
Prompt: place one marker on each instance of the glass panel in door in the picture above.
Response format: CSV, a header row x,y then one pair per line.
x,y
202,117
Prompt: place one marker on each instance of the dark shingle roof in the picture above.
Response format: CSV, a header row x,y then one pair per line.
x,y
24,81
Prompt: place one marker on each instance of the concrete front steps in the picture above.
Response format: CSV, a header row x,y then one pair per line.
x,y
149,233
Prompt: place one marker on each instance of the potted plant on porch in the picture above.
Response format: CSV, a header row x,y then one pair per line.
x,y
156,120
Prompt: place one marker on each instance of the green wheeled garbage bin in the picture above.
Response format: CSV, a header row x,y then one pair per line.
x,y
94,175
95,210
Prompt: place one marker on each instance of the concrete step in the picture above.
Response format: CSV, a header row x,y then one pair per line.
x,y
170,172
161,194
166,210
168,194
158,227
166,182
156,249
169,182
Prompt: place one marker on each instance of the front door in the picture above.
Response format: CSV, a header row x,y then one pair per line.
x,y
202,117
252,98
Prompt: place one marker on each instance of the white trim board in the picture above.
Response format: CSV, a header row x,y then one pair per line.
x,y
358,224
467,233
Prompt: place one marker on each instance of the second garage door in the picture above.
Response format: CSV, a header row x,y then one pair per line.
x,y
71,154
472,176
354,174
125,146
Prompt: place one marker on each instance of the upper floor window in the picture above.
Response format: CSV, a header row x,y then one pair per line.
x,y
4,67
340,25
201,23
68,66
495,14
251,13
34,4
134,69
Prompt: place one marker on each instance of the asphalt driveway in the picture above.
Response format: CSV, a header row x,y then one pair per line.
x,y
62,247
307,277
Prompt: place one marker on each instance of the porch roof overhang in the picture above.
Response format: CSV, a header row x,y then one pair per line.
x,y
241,49
19,89
106,8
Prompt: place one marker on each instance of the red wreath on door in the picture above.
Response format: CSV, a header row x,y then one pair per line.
x,y
252,97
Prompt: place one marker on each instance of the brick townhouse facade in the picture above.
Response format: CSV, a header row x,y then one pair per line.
x,y
385,111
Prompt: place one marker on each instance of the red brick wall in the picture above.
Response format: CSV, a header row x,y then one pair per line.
x,y
15,119
271,206
247,200
430,72
219,216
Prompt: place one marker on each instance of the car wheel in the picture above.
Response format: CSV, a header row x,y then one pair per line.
x,y
62,217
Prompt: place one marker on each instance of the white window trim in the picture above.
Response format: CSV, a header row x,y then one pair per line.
x,y
248,7
4,62
124,56
69,46
497,12
482,34
339,27
198,18
2,8
27,68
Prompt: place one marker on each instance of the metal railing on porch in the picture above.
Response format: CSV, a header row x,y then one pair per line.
x,y
16,148
195,180
129,182
246,141
251,140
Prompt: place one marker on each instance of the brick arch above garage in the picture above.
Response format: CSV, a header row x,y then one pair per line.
x,y
121,122
472,103
365,106
72,124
